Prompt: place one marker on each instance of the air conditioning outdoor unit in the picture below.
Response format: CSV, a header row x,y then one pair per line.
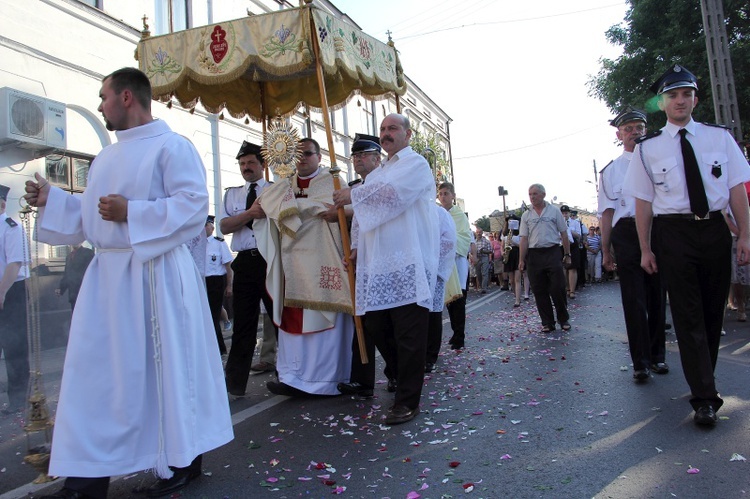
x,y
30,121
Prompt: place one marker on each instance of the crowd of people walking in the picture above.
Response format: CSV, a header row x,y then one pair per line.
x,y
682,232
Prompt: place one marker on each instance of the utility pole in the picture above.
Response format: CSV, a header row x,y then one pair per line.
x,y
720,67
596,177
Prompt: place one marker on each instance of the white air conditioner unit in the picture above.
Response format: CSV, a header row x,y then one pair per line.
x,y
30,121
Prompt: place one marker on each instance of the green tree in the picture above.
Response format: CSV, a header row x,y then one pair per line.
x,y
420,142
483,223
656,34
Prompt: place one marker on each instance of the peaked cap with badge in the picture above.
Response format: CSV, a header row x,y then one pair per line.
x,y
675,77
4,190
628,114
248,148
365,143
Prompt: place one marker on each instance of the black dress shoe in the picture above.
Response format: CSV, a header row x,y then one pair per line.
x,y
640,374
705,416
660,368
392,385
457,346
168,486
400,414
429,367
279,388
66,493
354,388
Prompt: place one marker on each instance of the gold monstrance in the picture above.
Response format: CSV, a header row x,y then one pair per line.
x,y
280,148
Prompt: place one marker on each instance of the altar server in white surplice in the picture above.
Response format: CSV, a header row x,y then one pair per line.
x,y
142,384
397,258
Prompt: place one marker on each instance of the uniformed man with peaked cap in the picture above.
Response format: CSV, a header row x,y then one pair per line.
x,y
249,284
682,177
643,297
13,275
365,154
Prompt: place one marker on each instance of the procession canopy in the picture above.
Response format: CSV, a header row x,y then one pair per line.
x,y
266,62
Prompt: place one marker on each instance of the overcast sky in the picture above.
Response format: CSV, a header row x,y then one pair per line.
x,y
512,76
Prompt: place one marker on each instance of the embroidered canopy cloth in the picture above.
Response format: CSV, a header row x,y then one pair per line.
x,y
238,64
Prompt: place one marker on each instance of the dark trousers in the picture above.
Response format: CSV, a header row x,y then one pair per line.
x,y
404,328
434,337
96,488
643,298
15,345
215,285
364,374
582,265
694,257
248,289
457,314
547,277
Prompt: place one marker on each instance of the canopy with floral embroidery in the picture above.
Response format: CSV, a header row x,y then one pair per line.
x,y
265,65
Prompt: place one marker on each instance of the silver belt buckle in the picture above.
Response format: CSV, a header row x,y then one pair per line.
x,y
704,218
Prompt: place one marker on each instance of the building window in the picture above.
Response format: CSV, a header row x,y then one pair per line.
x,y
97,4
68,172
171,16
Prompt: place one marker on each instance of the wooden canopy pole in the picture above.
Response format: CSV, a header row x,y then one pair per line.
x,y
264,120
337,186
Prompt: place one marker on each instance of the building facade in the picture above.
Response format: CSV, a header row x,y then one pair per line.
x,y
53,56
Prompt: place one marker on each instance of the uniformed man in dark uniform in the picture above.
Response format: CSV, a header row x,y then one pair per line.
x,y
366,156
13,337
249,285
643,297
682,177
219,278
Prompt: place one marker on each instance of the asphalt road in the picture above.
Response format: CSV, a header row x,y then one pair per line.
x,y
518,413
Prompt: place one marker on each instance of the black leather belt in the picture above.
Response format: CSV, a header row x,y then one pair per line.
x,y
712,215
626,219
251,252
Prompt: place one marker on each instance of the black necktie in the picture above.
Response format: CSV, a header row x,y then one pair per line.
x,y
251,196
696,191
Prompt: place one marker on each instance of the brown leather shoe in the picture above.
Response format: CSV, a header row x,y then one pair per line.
x,y
262,367
400,414
660,368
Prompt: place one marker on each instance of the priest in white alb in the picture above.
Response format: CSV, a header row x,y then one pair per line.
x,y
306,279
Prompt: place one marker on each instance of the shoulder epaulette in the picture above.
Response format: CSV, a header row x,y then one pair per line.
x,y
355,182
605,166
11,222
218,238
234,187
648,136
716,125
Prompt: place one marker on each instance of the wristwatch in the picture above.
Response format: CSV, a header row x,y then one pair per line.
x,y
566,254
